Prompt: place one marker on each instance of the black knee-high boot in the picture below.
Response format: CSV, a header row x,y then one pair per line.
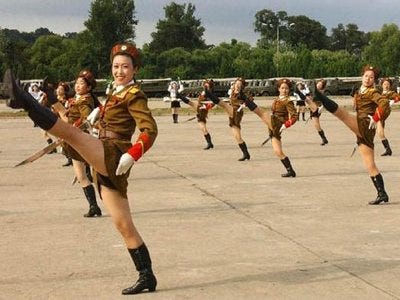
x,y
146,280
175,118
94,209
388,151
329,104
40,115
323,137
209,143
289,168
246,154
380,187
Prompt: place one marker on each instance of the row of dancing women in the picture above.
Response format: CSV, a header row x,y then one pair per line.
x,y
372,106
112,154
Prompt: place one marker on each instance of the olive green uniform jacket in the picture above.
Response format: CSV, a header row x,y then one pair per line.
x,y
203,108
122,113
282,110
78,110
367,104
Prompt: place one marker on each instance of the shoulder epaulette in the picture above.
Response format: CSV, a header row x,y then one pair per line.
x,y
133,89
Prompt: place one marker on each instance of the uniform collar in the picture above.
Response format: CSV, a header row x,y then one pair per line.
x,y
119,88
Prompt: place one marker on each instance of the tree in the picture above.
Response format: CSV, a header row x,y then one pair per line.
x,y
12,49
269,24
254,63
174,63
325,63
41,55
348,38
180,28
384,49
110,21
289,30
305,31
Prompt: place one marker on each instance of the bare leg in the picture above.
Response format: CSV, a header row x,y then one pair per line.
x,y
193,104
349,120
89,147
226,107
80,172
311,104
380,131
368,158
277,146
264,116
317,124
237,134
119,210
203,128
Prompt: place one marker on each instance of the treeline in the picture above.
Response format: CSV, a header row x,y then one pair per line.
x,y
293,46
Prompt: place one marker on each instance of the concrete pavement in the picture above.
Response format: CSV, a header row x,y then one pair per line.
x,y
216,228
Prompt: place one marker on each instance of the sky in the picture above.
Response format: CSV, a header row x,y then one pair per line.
x,y
223,19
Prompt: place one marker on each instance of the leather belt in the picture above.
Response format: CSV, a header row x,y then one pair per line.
x,y
107,134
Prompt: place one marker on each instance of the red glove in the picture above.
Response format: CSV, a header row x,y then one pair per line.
x,y
209,106
140,147
377,114
77,123
288,123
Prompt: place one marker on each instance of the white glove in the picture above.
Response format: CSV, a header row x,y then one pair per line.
x,y
93,116
241,107
296,96
372,123
391,102
95,132
283,127
125,162
320,108
306,90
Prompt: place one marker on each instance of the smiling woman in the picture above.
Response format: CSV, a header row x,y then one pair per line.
x,y
113,154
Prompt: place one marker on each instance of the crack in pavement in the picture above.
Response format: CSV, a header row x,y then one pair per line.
x,y
270,228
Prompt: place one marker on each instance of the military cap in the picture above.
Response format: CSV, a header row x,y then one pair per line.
x,y
89,77
284,80
126,49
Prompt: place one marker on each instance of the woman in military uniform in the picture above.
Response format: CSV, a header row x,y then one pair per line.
x,y
112,155
61,95
392,97
79,108
283,116
315,108
205,102
371,108
238,100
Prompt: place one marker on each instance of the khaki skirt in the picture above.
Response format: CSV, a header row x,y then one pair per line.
x,y
113,150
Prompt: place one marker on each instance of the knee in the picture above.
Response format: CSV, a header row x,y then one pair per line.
x,y
82,178
125,227
279,153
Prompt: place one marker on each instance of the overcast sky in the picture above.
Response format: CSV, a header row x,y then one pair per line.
x,y
222,19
